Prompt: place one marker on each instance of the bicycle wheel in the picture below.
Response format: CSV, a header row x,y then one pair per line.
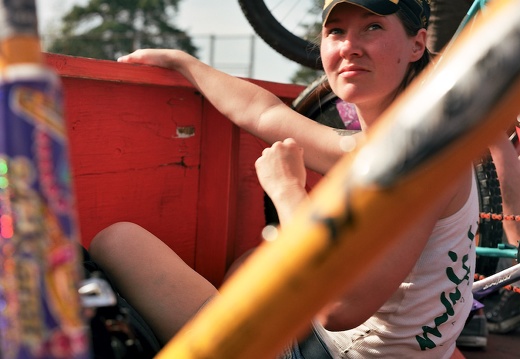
x,y
270,27
490,201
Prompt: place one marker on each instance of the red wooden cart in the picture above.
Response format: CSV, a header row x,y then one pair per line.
x,y
146,147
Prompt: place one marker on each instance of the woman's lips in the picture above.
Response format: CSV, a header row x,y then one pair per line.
x,y
352,71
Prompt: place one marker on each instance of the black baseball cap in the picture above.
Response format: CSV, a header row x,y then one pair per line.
x,y
417,10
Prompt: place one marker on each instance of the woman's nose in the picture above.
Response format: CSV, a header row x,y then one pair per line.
x,y
349,47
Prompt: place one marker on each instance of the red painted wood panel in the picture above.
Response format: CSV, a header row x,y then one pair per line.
x,y
129,162
216,210
250,227
147,148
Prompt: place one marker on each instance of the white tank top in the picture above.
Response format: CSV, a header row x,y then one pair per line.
x,y
424,316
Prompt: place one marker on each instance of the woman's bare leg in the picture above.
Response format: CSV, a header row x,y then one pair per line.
x,y
151,277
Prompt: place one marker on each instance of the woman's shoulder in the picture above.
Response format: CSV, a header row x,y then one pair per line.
x,y
460,195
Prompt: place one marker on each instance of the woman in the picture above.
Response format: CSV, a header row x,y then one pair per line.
x,y
371,50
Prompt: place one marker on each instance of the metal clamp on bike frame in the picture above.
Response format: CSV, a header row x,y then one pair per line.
x,y
96,293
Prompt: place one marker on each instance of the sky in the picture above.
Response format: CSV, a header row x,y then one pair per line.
x,y
202,18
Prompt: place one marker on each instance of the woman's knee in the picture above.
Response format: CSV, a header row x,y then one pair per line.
x,y
113,238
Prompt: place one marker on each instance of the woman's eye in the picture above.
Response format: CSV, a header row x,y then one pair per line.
x,y
335,31
374,27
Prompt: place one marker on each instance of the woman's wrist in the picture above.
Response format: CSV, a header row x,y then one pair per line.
x,y
288,200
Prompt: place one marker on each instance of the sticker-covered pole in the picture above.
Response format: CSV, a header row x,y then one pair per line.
x,y
40,311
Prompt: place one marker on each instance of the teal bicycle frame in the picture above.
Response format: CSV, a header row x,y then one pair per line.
x,y
501,251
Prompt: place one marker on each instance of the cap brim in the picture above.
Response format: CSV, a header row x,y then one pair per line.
x,y
378,7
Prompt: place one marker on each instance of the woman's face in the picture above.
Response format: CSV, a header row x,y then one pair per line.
x,y
365,56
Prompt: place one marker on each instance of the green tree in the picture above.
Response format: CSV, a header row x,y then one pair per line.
x,y
305,75
107,29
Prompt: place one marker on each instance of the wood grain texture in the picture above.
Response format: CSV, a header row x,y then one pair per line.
x,y
146,147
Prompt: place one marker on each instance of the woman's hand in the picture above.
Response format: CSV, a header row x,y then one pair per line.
x,y
282,174
155,57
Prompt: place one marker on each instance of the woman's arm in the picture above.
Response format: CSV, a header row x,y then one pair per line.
x,y
507,165
282,174
378,282
249,106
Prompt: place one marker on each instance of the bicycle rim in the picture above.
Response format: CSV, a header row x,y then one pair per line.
x,y
278,36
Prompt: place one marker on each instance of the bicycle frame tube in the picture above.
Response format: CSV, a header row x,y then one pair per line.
x,y
475,7
500,252
490,284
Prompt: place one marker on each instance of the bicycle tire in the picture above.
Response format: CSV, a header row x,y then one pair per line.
x,y
319,103
491,232
280,39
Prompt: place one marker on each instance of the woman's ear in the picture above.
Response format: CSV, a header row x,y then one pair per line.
x,y
419,45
